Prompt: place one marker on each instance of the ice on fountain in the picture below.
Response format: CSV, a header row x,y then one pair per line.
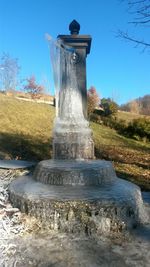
x,y
68,96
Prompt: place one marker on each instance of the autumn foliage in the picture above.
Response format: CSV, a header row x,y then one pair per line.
x,y
140,105
93,100
34,89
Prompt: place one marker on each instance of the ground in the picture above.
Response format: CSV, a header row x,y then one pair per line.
x,y
23,243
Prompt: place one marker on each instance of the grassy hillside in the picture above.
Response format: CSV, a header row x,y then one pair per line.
x,y
128,116
25,129
26,133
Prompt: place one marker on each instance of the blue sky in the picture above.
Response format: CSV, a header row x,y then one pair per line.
x,y
114,66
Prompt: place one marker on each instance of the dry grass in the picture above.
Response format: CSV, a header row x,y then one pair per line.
x,y
128,116
25,128
131,158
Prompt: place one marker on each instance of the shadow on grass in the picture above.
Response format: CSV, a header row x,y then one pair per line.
x,y
18,146
124,154
135,163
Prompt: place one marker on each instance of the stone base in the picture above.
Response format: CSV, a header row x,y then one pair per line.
x,y
93,210
74,172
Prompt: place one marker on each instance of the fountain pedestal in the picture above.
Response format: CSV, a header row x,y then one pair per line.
x,y
72,192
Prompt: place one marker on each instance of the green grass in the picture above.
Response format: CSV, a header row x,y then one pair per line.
x,y
26,133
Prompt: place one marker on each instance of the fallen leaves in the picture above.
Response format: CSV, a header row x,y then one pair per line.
x,y
131,164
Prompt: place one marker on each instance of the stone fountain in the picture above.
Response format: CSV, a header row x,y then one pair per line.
x,y
73,192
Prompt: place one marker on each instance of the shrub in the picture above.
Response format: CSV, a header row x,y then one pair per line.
x,y
114,123
110,108
95,118
139,129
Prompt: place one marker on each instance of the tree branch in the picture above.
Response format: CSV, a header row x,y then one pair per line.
x,y
139,22
127,37
140,9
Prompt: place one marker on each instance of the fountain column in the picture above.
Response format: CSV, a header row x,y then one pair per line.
x,y
72,138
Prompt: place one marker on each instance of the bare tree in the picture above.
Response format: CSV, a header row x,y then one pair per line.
x,y
135,107
140,11
9,70
140,105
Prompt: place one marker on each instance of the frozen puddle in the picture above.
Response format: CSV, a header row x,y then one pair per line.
x,y
16,164
146,197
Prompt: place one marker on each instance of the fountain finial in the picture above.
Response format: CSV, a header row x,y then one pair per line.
x,y
74,27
